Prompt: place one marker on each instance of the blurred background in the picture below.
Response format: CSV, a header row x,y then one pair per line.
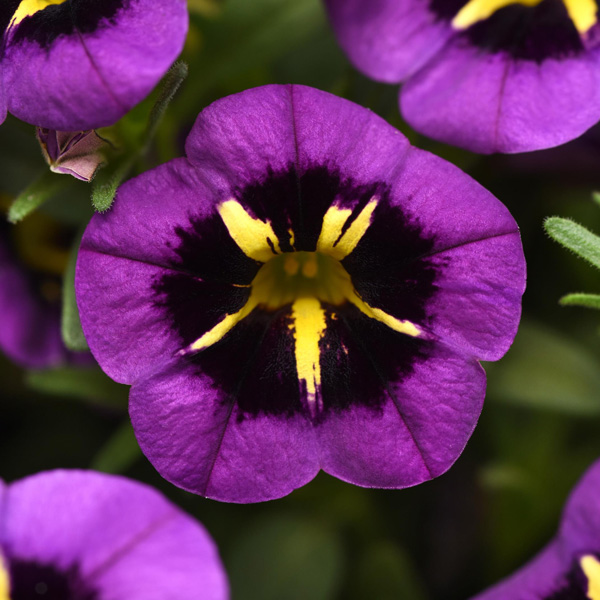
x,y
444,540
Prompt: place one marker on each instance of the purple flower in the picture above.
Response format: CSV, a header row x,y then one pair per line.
x,y
304,291
81,535
568,568
486,75
74,65
33,256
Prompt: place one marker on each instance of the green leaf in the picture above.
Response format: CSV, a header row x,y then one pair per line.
x,y
72,333
284,557
119,453
575,237
580,299
596,197
46,186
89,384
107,181
168,88
546,370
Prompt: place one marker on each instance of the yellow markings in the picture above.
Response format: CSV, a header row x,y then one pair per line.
x,y
221,328
250,234
309,327
405,327
30,7
591,568
332,242
4,582
581,12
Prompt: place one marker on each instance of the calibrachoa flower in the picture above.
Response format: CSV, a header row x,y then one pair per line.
x,y
568,568
32,260
487,75
74,65
80,535
304,291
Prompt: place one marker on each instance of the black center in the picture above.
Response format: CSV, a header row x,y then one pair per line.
x,y
33,581
254,364
533,33
82,16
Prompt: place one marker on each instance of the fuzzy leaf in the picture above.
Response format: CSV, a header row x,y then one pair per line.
x,y
107,181
580,299
46,186
72,333
575,237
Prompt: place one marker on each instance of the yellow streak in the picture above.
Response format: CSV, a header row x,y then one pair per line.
x,y
591,568
376,313
478,10
222,328
30,7
4,582
249,234
309,326
333,223
583,13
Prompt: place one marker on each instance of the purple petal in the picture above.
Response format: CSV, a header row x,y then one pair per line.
x,y
125,539
489,102
535,581
201,442
387,39
30,328
418,434
87,80
580,527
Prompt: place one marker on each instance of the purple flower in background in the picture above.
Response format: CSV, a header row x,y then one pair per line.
x,y
81,535
486,75
568,568
304,291
74,65
33,257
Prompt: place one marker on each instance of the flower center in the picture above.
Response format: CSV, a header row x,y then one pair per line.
x,y
294,275
30,7
583,13
310,283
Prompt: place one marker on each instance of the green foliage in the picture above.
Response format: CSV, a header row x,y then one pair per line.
x,y
547,370
106,183
72,333
89,384
586,300
285,557
45,187
575,237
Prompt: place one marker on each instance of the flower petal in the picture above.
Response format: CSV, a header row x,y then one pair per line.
x,y
125,539
387,39
538,580
71,68
422,427
492,102
204,444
